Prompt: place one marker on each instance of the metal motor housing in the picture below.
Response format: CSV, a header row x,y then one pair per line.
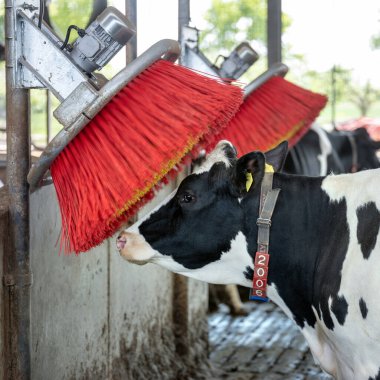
x,y
103,39
238,62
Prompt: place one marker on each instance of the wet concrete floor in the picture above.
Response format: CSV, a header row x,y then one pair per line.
x,y
263,345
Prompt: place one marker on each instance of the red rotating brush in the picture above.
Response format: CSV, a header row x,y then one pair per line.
x,y
109,170
274,110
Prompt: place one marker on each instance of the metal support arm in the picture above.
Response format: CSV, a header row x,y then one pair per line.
x,y
43,64
278,69
164,49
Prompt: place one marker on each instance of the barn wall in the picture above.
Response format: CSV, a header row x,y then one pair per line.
x,y
141,329
198,331
69,300
96,316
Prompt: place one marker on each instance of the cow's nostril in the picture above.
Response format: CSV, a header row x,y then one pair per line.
x,y
121,242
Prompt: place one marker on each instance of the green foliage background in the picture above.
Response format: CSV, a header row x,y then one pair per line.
x,y
233,21
229,22
64,13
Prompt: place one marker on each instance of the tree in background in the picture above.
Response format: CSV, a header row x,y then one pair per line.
x,y
65,13
234,21
363,97
375,41
231,22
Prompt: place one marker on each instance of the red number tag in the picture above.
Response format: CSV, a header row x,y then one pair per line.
x,y
260,272
258,295
261,259
260,275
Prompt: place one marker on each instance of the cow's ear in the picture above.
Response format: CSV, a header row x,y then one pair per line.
x,y
276,157
362,134
249,171
375,144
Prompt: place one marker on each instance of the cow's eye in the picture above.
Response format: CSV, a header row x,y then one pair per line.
x,y
187,198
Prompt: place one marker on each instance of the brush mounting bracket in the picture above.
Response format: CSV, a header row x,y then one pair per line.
x,y
238,62
232,67
277,69
42,60
191,56
164,49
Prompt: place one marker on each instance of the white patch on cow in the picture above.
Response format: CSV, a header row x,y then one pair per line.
x,y
357,343
136,249
275,297
217,155
315,337
325,146
321,346
227,270
358,188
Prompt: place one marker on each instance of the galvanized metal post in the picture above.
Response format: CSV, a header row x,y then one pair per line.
x,y
274,31
183,16
17,278
131,13
48,117
181,283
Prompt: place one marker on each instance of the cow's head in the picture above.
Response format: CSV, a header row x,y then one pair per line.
x,y
356,150
198,230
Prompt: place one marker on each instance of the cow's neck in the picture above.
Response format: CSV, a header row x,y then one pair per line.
x,y
302,223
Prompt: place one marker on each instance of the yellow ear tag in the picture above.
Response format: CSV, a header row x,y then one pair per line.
x,y
249,182
269,168
249,177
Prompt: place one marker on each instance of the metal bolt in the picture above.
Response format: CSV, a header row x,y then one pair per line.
x,y
8,280
29,7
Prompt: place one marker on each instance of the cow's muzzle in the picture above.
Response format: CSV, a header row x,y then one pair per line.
x,y
120,242
134,248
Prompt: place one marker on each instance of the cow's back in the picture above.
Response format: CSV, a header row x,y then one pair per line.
x,y
356,333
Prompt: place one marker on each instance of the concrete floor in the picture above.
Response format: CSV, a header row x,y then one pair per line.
x,y
263,345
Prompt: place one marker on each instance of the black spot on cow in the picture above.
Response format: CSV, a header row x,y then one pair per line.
x,y
363,308
248,273
368,227
306,263
377,377
339,307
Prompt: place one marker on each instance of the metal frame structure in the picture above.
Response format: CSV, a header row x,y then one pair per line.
x,y
274,31
14,197
164,49
18,276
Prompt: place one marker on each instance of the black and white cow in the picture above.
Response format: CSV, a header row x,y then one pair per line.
x,y
324,268
320,152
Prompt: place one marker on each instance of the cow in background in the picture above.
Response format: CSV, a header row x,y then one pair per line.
x,y
320,152
324,248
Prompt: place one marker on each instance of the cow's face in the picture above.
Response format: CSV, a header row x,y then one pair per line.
x,y
198,231
367,149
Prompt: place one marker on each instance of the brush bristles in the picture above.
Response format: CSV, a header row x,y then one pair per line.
x,y
109,170
276,111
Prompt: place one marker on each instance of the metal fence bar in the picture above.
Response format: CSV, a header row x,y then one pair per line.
x,y
131,13
17,278
274,30
181,283
48,117
183,16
